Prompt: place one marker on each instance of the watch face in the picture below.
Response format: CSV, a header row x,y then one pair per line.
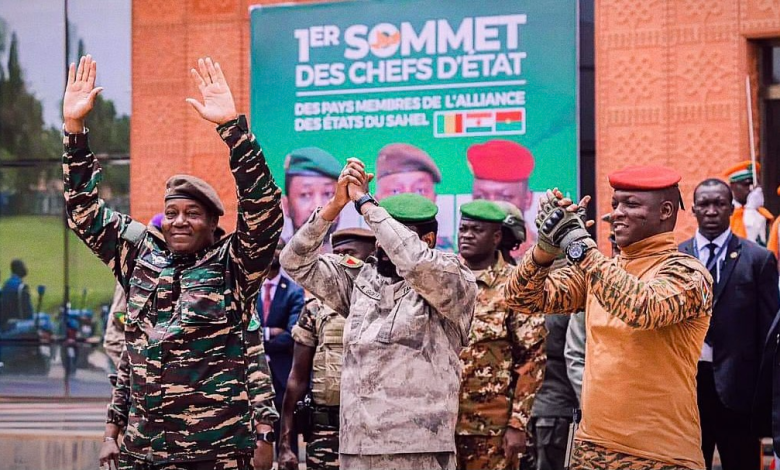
x,y
575,250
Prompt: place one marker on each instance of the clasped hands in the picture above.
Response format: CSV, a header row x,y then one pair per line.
x,y
560,222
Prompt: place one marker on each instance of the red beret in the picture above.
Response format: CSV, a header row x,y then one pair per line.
x,y
644,178
500,160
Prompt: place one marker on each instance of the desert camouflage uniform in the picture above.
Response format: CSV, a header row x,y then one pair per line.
x,y
197,380
503,367
678,295
401,372
322,328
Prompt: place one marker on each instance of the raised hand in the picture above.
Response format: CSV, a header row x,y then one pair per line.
x,y
80,94
218,105
357,169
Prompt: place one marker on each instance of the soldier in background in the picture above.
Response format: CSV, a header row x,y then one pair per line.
x,y
503,365
513,231
317,355
750,218
193,388
408,316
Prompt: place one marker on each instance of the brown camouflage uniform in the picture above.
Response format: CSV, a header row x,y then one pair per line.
x,y
322,328
503,367
647,312
401,373
192,382
589,456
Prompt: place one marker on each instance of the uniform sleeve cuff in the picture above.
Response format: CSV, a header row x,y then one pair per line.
x,y
233,132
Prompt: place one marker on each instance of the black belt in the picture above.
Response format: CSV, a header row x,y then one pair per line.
x,y
326,416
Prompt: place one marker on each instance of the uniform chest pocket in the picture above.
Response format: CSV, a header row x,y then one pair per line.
x,y
488,324
407,323
202,300
143,284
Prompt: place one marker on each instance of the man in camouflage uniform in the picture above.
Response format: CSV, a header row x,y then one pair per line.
x,y
503,365
193,388
317,355
114,339
408,316
647,312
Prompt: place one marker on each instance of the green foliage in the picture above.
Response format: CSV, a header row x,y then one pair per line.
x,y
37,240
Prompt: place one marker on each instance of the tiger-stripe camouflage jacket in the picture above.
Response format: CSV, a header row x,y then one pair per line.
x,y
193,381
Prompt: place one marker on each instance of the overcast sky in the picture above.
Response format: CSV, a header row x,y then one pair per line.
x,y
104,25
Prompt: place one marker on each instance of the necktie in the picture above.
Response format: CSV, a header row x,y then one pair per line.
x,y
266,302
712,263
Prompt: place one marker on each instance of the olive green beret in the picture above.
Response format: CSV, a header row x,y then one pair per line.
x,y
404,158
482,210
346,235
191,187
312,161
410,208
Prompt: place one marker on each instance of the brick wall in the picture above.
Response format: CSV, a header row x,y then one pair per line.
x,y
669,89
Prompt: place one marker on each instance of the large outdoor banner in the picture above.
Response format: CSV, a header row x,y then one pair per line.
x,y
451,99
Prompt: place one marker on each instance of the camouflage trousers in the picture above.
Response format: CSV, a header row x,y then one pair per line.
x,y
322,452
234,462
589,456
427,461
482,452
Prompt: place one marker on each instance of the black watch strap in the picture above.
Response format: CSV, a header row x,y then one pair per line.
x,y
363,200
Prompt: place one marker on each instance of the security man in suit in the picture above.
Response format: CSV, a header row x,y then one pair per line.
x,y
745,299
278,306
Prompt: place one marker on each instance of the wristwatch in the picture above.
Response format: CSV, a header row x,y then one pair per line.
x,y
576,251
267,437
363,200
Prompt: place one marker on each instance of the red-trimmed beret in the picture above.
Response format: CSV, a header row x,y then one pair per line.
x,y
644,178
500,160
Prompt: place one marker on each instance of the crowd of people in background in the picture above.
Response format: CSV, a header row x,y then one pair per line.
x,y
386,352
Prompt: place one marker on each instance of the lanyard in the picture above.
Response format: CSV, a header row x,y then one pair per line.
x,y
717,253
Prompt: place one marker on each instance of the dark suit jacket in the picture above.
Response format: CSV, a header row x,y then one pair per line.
x,y
285,308
766,415
745,300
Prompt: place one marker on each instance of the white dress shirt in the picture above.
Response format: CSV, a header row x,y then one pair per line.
x,y
704,254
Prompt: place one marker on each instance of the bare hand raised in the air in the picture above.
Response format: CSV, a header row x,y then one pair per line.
x,y
80,94
218,105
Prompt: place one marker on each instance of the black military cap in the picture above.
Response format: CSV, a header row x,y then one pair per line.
x,y
191,187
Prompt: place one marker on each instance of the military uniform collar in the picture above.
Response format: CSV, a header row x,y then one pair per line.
x,y
490,275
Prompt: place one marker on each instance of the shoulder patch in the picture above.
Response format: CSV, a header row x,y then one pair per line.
x,y
134,232
120,317
351,262
254,323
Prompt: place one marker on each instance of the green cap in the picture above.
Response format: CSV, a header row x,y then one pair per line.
x,y
482,210
312,161
410,208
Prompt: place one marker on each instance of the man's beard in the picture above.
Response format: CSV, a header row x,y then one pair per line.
x,y
384,266
275,264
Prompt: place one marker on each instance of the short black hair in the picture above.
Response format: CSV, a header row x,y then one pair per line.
x,y
714,182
